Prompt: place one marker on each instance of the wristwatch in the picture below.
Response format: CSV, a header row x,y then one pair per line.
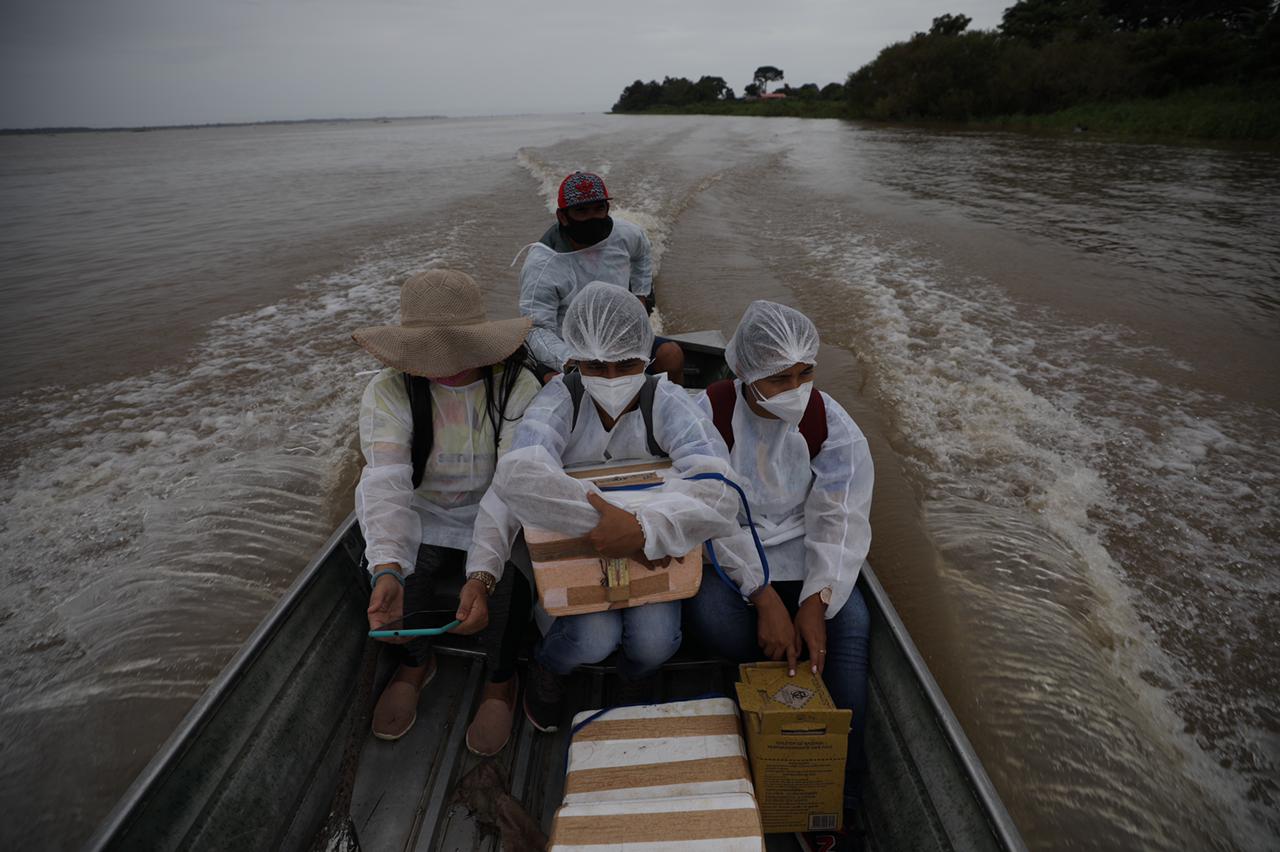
x,y
485,579
825,595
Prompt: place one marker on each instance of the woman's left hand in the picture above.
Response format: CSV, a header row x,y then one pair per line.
x,y
473,608
811,625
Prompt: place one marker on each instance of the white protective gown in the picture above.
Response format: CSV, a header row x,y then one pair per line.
x,y
813,516
549,280
531,479
395,517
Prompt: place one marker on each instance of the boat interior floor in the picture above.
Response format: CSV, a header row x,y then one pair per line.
x,y
407,793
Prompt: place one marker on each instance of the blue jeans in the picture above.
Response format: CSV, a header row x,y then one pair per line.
x,y
648,636
726,625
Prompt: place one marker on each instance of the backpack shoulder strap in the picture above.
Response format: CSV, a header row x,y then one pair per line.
x,y
419,393
646,411
813,425
573,381
723,397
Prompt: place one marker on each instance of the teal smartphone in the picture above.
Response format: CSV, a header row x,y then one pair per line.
x,y
413,625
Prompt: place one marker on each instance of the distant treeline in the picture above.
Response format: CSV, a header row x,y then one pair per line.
x,y
680,91
1046,56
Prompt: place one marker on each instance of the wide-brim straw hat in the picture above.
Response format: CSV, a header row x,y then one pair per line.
x,y
443,329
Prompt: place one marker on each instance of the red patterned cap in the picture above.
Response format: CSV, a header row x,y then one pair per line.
x,y
582,188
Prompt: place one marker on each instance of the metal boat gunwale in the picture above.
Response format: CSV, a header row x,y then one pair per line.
x,y
198,716
955,737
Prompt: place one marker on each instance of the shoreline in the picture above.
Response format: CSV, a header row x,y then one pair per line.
x,y
148,128
1215,114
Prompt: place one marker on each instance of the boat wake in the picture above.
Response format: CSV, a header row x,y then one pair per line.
x,y
1068,489
165,513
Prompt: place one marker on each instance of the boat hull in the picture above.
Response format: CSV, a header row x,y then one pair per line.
x,y
255,763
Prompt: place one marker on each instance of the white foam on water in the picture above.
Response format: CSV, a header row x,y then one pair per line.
x,y
1010,408
548,175
646,199
162,514
650,200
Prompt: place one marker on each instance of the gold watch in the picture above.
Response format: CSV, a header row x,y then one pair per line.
x,y
485,579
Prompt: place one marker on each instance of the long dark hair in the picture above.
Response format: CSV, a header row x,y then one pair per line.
x,y
497,393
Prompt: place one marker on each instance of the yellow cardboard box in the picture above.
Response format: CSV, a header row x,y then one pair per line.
x,y
797,740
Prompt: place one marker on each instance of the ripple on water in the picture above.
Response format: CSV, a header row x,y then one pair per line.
x,y
1105,541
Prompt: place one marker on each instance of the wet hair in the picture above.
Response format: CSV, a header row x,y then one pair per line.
x,y
498,386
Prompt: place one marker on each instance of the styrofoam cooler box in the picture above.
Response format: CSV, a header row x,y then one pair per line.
x,y
724,823
680,748
572,578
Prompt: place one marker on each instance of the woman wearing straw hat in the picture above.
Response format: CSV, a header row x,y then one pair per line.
x,y
432,426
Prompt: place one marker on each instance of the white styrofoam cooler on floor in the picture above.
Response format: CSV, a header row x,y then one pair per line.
x,y
682,748
659,776
725,823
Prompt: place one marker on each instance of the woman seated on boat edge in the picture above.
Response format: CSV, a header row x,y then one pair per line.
x,y
610,338
809,475
432,426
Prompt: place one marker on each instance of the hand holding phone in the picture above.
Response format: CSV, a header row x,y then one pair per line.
x,y
386,604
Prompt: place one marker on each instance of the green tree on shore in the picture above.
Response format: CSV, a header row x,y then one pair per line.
x,y
948,25
765,75
672,92
1185,67
1048,55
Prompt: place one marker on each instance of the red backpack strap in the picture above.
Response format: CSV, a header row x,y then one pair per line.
x,y
814,423
723,397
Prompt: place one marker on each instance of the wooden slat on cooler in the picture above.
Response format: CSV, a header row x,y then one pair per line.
x,y
638,778
610,728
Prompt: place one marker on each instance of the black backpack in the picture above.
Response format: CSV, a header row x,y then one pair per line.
x,y
419,392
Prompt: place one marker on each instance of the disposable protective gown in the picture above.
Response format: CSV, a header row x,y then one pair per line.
x,y
395,517
813,516
531,479
549,280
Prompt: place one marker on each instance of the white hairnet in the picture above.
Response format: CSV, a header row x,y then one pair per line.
x,y
769,339
606,322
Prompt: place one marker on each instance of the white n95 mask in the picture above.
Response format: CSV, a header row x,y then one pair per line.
x,y
614,395
788,405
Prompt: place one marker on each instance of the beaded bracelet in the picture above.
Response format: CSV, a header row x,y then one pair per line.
x,y
373,581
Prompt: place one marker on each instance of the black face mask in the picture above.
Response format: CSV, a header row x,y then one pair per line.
x,y
589,231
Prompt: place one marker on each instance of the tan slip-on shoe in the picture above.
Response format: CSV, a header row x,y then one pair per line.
x,y
397,707
490,730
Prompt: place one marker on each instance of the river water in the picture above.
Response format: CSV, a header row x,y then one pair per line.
x,y
1063,351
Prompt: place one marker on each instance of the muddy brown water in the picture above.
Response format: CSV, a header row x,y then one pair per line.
x,y
1062,352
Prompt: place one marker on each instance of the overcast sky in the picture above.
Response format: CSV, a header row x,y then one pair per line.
x,y
137,62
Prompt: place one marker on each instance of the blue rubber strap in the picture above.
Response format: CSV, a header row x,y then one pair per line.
x,y
711,551
373,581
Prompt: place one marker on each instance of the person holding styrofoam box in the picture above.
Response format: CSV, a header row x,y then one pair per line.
x,y
608,333
808,469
